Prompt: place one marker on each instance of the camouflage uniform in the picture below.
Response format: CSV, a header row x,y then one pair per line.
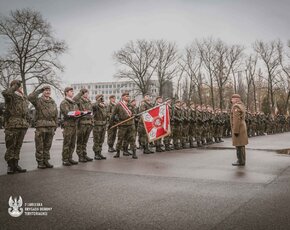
x,y
185,126
134,111
167,139
84,126
69,130
126,131
199,127
112,133
16,125
176,130
192,126
100,126
45,124
141,129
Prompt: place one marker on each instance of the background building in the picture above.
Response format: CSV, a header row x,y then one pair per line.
x,y
115,88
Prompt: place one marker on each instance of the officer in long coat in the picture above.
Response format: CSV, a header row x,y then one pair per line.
x,y
239,129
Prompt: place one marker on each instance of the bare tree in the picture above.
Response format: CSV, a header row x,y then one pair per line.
x,y
32,48
193,62
226,61
207,52
138,62
167,58
268,53
284,60
251,64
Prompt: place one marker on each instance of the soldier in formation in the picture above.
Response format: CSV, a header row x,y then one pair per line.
x,y
46,118
112,133
126,130
100,126
16,124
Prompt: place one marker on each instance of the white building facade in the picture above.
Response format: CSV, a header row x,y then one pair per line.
x,y
114,88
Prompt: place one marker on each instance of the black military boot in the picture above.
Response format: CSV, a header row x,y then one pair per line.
x,y
82,159
134,156
66,163
47,164
243,156
199,144
239,161
220,139
41,165
167,148
102,157
73,162
17,168
117,154
146,149
159,149
10,167
111,149
88,158
125,152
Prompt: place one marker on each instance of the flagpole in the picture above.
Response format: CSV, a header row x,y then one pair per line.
x,y
139,114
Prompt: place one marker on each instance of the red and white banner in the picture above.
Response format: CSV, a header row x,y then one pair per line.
x,y
157,122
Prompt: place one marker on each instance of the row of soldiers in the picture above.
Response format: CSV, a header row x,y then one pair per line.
x,y
121,122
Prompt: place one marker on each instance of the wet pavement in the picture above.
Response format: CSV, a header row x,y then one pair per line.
x,y
185,189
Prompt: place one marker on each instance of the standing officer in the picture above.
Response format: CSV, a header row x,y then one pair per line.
x,y
239,129
112,133
45,124
70,112
85,124
141,129
126,130
16,124
100,126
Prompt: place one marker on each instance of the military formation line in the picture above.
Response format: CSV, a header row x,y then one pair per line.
x,y
192,126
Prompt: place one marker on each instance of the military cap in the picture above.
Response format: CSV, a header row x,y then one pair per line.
x,y
67,89
99,96
126,93
132,100
14,82
236,95
46,87
177,101
158,97
192,103
112,96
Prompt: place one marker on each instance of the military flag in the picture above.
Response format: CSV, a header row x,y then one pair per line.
x,y
157,122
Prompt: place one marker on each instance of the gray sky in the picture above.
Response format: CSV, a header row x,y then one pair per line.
x,y
93,30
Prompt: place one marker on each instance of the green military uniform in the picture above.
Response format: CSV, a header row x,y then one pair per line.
x,y
100,126
16,125
176,131
45,124
69,129
185,126
141,129
134,110
192,126
126,130
167,139
85,125
199,127
112,133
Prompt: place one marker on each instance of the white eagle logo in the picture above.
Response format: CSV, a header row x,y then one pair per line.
x,y
15,209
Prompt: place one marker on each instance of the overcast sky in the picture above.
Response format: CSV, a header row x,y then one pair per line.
x,y
95,29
